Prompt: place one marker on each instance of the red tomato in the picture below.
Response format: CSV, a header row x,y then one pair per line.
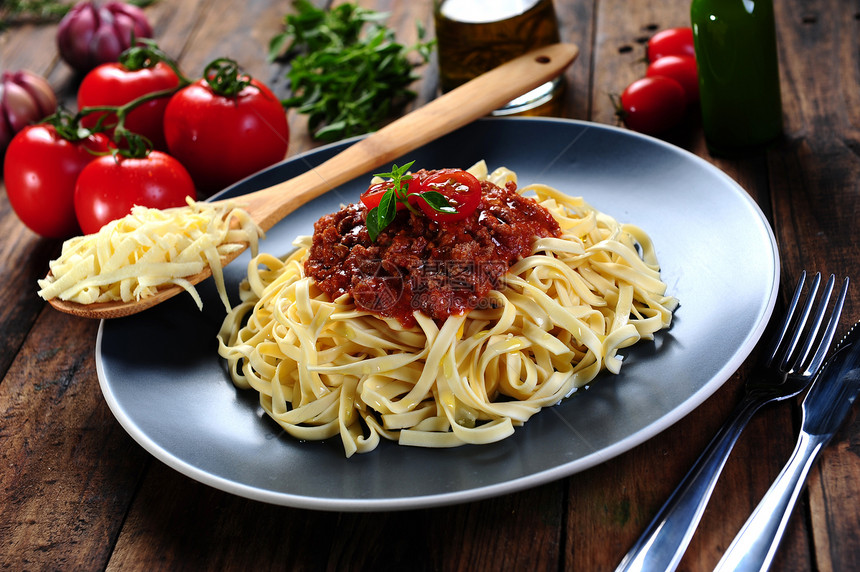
x,y
373,195
671,42
113,84
40,170
221,139
109,186
461,188
680,68
652,104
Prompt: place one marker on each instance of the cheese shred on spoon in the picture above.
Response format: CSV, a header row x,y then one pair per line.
x,y
130,258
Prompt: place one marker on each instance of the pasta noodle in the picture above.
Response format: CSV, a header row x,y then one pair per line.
x,y
324,368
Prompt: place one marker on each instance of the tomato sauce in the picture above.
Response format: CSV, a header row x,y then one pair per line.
x,y
438,268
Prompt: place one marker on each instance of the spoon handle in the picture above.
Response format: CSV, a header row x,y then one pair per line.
x,y
439,117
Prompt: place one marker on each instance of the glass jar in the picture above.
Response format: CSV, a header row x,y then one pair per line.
x,y
475,36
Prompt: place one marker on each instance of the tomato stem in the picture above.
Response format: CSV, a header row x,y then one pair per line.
x,y
409,206
135,145
224,77
620,112
67,125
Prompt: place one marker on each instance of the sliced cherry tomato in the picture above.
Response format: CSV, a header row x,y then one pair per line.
x,y
653,104
680,68
223,138
40,171
671,42
113,84
373,195
109,186
461,188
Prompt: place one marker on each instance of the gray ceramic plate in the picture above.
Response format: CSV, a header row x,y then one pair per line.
x,y
162,378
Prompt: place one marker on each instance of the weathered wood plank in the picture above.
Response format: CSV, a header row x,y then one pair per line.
x,y
23,255
23,260
576,26
71,474
165,529
817,174
69,470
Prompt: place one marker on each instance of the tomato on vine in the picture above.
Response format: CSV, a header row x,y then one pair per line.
x,y
40,169
225,127
110,185
119,83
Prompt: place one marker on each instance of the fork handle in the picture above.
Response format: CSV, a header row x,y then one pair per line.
x,y
755,545
663,543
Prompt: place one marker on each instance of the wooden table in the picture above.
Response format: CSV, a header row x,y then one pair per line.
x,y
77,493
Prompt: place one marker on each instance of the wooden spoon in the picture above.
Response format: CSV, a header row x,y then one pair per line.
x,y
439,117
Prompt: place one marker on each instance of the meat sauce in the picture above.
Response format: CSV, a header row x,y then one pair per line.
x,y
438,268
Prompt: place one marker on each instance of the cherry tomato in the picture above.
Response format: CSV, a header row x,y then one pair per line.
x,y
222,139
680,68
108,187
40,170
652,104
461,188
373,195
671,42
113,84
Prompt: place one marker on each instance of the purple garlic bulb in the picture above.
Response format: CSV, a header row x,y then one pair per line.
x,y
91,34
25,98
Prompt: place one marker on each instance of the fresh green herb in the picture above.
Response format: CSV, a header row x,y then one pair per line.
x,y
33,11
379,217
348,74
438,201
20,12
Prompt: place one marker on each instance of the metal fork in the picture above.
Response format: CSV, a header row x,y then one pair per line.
x,y
824,409
796,355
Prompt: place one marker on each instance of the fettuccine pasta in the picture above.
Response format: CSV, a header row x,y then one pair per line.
x,y
324,368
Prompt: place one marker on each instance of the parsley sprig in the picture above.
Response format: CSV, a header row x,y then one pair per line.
x,y
22,12
348,74
379,217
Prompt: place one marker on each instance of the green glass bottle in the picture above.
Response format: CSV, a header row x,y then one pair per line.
x,y
735,43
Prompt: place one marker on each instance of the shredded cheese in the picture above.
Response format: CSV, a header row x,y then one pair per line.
x,y
130,258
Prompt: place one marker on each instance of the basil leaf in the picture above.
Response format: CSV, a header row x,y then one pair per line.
x,y
438,202
387,209
373,223
396,172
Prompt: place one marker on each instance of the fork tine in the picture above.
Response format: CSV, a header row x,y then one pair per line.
x,y
795,327
812,334
800,324
829,332
789,314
